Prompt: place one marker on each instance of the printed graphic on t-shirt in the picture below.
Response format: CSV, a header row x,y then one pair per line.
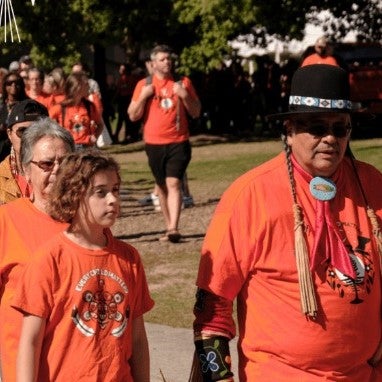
x,y
354,289
103,305
165,100
79,124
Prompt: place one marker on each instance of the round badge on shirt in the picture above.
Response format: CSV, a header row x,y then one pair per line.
x,y
166,103
322,188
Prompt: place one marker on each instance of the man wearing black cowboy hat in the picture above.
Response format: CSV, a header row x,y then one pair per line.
x,y
297,242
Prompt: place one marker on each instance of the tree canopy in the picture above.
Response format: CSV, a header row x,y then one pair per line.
x,y
56,32
218,21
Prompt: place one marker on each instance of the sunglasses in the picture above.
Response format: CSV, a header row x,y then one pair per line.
x,y
19,132
47,165
12,82
320,130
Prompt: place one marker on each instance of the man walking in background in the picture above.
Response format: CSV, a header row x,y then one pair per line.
x,y
164,102
322,54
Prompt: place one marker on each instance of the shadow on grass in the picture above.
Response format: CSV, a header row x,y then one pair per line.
x,y
146,236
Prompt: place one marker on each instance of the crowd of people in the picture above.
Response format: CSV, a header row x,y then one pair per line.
x,y
237,103
297,241
234,102
71,100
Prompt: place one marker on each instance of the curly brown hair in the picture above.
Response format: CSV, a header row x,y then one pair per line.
x,y
73,180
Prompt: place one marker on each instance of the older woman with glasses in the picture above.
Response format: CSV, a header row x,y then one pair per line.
x,y
25,225
12,181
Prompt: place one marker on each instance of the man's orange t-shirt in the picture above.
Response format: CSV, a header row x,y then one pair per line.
x,y
23,228
89,299
249,253
165,119
315,58
78,119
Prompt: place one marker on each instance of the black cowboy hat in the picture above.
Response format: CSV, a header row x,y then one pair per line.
x,y
319,89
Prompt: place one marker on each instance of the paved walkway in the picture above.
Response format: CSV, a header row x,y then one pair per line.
x,y
171,351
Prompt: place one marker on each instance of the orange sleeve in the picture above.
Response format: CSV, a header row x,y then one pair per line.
x,y
97,102
138,89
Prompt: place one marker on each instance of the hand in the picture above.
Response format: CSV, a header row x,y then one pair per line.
x,y
179,90
147,91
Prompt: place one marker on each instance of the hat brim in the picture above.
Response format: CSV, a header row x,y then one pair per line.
x,y
356,114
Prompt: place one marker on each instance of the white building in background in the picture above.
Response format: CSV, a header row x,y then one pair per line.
x,y
279,50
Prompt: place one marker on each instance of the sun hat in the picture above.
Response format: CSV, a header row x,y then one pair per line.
x,y
318,88
26,110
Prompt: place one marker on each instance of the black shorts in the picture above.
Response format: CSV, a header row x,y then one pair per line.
x,y
169,160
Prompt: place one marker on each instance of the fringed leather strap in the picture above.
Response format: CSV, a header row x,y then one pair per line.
x,y
307,294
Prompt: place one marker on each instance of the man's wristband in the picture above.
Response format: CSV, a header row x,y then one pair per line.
x,y
214,358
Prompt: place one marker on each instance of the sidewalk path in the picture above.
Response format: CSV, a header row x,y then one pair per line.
x,y
171,351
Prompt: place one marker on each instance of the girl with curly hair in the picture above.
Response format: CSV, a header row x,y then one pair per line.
x,y
84,295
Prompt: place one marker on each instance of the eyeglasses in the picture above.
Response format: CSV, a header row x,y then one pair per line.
x,y
47,165
19,132
318,129
12,82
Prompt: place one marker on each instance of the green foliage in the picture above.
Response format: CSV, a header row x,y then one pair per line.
x,y
58,31
218,21
215,22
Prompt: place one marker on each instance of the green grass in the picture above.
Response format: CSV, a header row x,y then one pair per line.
x,y
216,169
369,151
172,286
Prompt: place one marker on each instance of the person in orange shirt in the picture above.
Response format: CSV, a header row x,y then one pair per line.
x,y
85,292
94,91
297,242
322,54
54,83
35,87
164,104
25,225
76,113
13,184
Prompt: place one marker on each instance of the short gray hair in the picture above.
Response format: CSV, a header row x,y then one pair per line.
x,y
160,49
44,127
